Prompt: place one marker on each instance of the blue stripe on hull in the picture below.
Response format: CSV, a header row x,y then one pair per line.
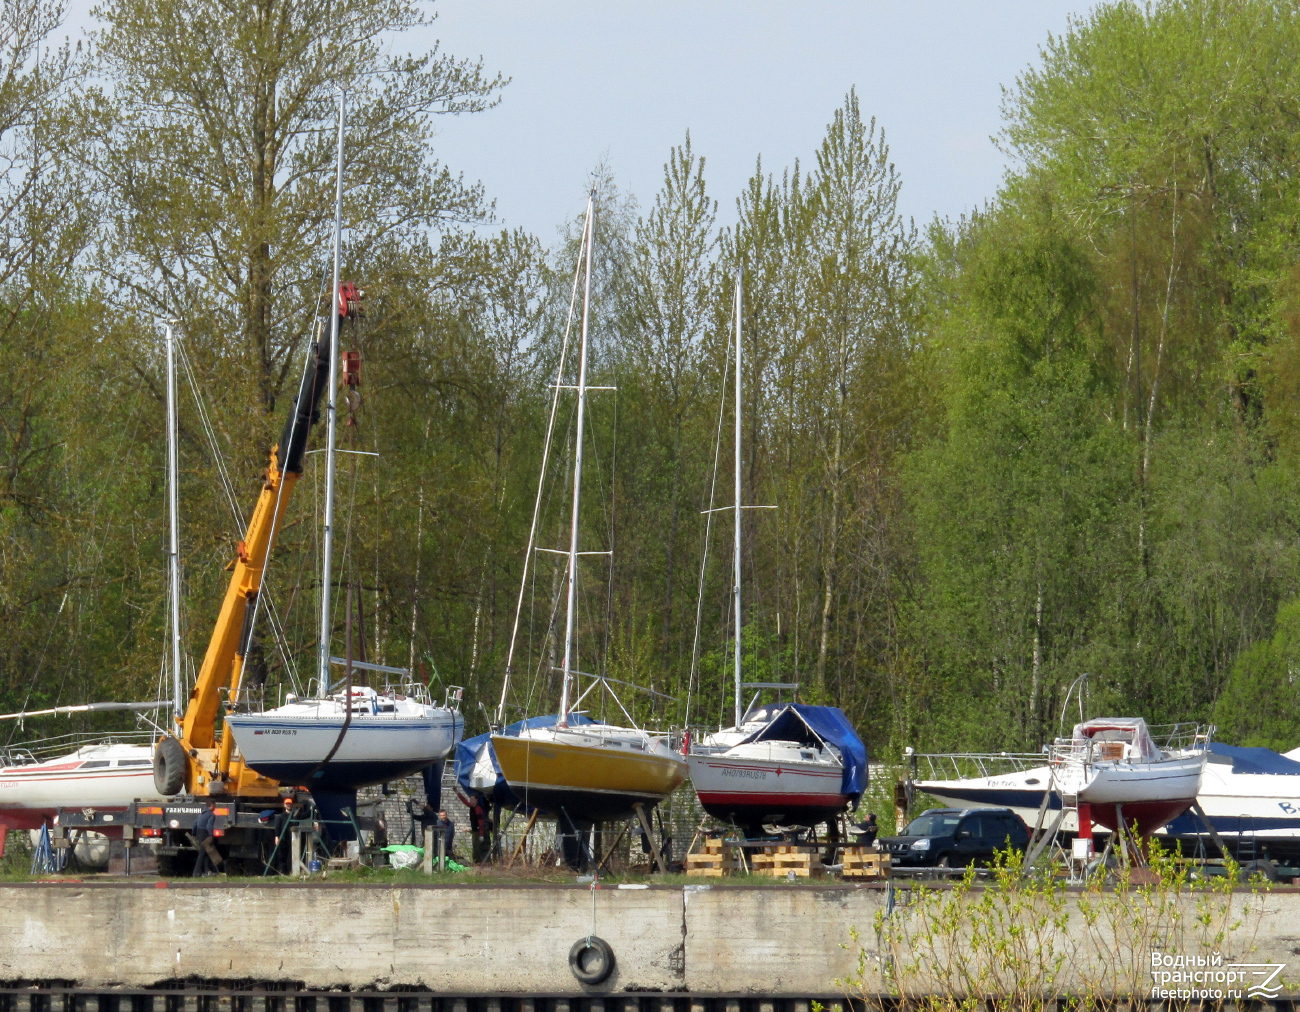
x,y
995,798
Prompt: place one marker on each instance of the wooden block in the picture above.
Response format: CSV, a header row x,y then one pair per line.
x,y
714,861
781,861
863,862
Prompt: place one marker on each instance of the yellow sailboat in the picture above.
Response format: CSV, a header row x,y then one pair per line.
x,y
573,768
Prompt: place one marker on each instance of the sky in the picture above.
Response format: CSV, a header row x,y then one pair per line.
x,y
624,81
621,81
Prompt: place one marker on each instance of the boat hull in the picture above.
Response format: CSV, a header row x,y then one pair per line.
x,y
752,792
30,795
585,782
1164,793
374,750
1022,792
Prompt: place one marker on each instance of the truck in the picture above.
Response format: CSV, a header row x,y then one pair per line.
x,y
198,759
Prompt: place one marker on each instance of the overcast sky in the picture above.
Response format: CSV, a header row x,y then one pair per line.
x,y
624,81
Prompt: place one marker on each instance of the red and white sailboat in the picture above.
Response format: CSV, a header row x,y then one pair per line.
x,y
1112,765
75,770
783,764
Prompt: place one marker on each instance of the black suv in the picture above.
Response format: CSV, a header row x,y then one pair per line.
x,y
956,837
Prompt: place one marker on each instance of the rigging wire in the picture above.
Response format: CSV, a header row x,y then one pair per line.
x,y
546,451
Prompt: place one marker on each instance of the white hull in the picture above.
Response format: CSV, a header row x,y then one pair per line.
x,y
289,743
1125,783
96,776
768,782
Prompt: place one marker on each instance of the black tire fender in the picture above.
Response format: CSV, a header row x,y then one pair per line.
x,y
591,960
169,767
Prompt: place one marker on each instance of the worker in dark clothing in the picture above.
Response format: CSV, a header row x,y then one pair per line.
x,y
866,830
480,825
203,829
445,826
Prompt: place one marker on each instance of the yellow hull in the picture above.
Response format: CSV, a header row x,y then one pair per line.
x,y
589,782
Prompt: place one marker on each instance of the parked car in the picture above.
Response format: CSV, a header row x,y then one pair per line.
x,y
956,837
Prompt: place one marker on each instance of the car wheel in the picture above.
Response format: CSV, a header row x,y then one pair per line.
x,y
945,861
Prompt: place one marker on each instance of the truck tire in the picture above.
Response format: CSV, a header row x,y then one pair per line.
x,y
169,764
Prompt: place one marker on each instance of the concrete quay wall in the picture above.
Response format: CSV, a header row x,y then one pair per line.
x,y
483,939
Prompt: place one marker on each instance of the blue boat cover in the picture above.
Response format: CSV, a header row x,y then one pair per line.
x,y
1255,760
467,754
803,723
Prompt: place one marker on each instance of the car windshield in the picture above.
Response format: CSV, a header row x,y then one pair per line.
x,y
933,824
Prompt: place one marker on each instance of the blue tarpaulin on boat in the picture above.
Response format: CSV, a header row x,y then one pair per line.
x,y
800,722
1255,760
467,754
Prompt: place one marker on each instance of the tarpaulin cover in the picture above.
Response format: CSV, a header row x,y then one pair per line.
x,y
477,768
1255,760
803,723
1126,729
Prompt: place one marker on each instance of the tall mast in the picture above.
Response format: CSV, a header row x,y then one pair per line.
x,y
577,471
736,576
331,413
173,523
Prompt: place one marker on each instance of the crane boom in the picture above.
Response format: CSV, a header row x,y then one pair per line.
x,y
210,763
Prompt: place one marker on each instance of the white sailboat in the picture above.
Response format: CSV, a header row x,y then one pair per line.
x,y
102,772
782,764
1112,765
1106,764
348,736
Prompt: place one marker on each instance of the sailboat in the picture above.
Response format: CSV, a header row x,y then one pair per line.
x,y
581,772
347,736
103,772
784,764
1112,765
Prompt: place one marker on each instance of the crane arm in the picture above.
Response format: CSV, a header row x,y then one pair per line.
x,y
210,769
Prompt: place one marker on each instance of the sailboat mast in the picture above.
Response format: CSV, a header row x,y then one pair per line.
x,y
173,523
331,414
736,576
571,608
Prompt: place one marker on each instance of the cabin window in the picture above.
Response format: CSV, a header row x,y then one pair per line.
x,y
97,764
135,762
806,755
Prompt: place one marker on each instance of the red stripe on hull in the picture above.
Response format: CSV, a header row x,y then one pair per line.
x,y
756,809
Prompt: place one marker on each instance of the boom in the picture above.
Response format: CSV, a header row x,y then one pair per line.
x,y
208,760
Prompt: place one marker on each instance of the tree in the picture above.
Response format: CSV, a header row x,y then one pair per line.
x,y
219,150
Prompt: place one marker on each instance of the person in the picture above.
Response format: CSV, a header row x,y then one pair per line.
x,y
447,827
866,830
480,825
203,829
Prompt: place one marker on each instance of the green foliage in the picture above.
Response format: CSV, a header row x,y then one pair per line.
x,y
1260,704
1058,436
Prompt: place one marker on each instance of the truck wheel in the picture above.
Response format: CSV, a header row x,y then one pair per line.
x,y
169,764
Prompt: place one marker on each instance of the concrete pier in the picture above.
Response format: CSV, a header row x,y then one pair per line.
x,y
773,946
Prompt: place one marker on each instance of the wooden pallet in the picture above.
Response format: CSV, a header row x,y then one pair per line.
x,y
864,862
712,860
783,861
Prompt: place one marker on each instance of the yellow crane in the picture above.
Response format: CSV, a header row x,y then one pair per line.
x,y
196,759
